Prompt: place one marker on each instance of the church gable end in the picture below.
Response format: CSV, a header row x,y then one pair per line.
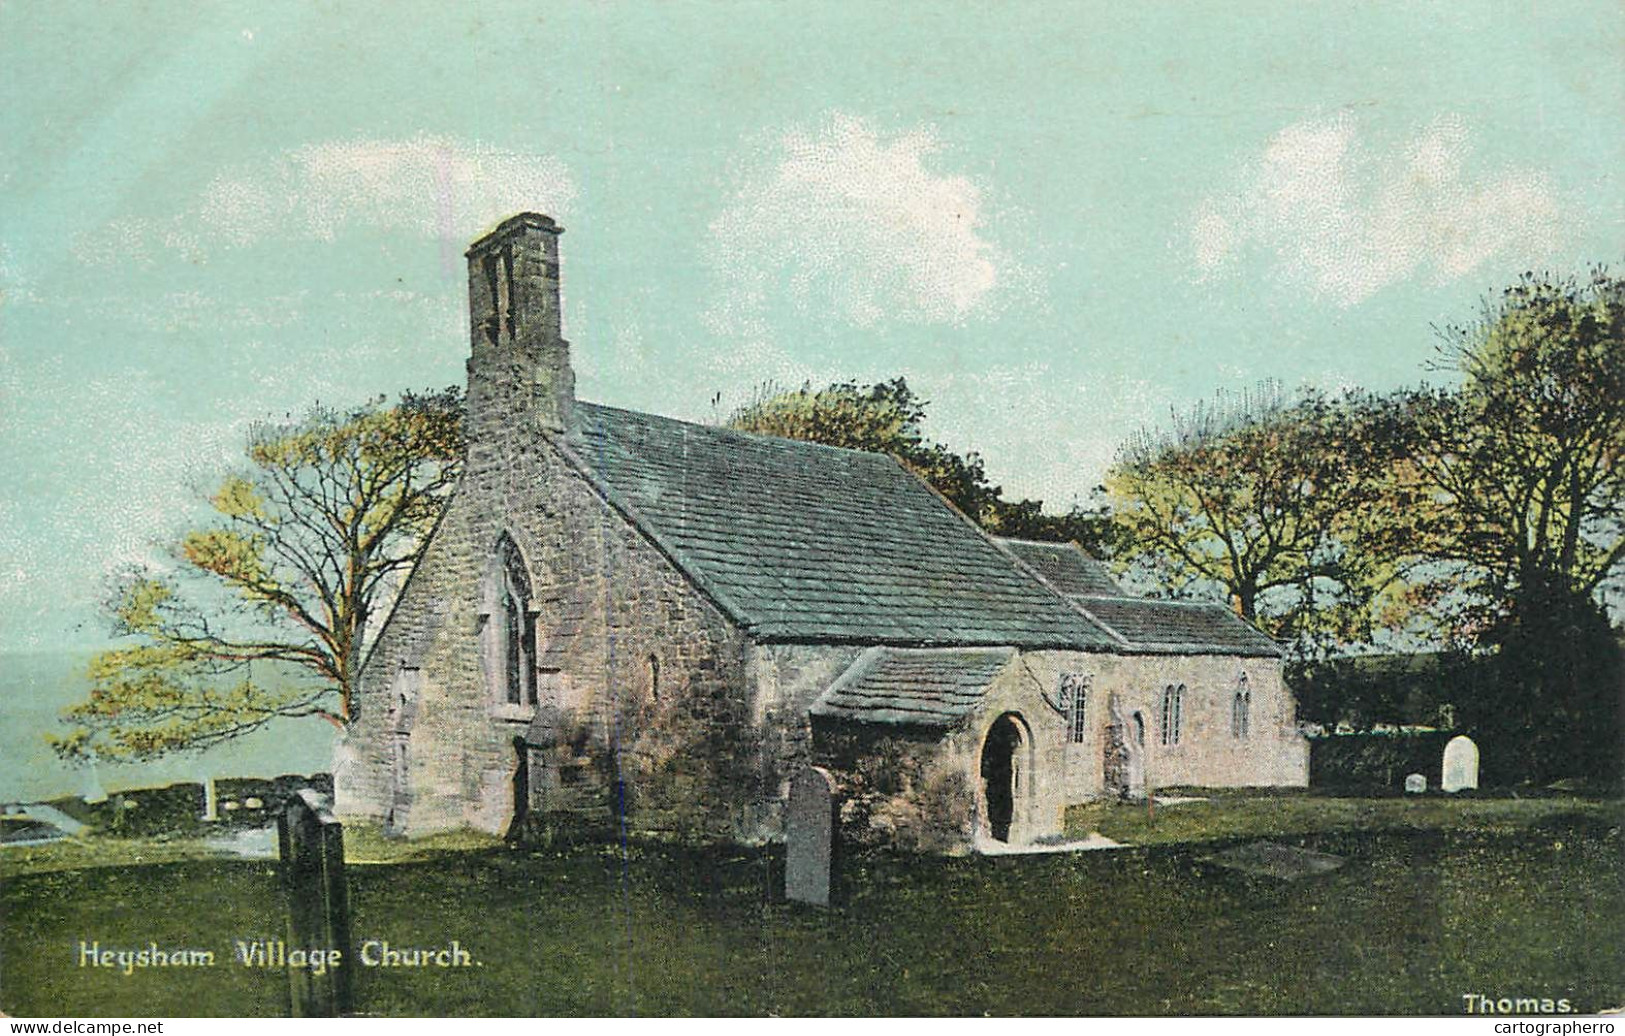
x,y
531,621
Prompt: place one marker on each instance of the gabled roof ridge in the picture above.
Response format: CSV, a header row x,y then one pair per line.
x,y
860,667
1052,588
1117,614
1063,544
1160,600
1098,621
725,431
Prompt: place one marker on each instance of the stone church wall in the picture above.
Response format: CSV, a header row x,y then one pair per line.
x,y
676,734
926,790
640,680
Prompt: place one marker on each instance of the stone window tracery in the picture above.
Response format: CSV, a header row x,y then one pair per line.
x,y
1173,713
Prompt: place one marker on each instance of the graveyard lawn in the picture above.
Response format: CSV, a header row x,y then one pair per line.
x,y
1524,905
1209,815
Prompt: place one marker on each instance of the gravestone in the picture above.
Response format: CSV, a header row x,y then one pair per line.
x,y
811,839
211,800
1124,754
1416,784
316,899
1272,860
1460,770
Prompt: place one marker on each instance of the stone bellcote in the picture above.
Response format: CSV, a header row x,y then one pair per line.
x,y
519,363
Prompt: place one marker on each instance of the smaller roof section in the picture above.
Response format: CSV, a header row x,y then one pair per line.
x,y
1179,627
912,687
1065,566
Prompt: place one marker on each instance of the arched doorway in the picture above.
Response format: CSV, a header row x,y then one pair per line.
x,y
1002,782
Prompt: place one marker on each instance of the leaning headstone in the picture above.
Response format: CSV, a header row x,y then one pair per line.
x,y
1415,784
1460,770
317,902
810,838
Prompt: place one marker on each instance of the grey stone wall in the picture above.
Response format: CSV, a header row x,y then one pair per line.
x,y
908,789
784,680
677,741
606,602
924,790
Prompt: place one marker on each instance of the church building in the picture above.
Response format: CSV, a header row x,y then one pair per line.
x,y
628,619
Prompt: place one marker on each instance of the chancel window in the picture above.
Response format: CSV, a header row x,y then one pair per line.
x,y
1074,702
1173,709
1240,709
510,629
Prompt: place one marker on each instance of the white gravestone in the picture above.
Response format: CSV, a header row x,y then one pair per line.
x,y
1416,784
1460,772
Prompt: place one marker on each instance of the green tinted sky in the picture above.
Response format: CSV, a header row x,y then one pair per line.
x,y
1058,220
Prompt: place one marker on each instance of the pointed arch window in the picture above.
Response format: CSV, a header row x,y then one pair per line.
x,y
1074,702
1241,709
510,628
1173,710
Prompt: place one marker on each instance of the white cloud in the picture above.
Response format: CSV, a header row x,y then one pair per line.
x,y
434,186
1346,220
853,224
1040,433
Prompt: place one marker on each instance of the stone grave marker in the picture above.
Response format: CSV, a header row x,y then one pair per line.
x,y
1273,860
811,838
1415,784
1460,769
317,903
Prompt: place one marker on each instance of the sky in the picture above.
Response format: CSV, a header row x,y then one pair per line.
x,y
1060,221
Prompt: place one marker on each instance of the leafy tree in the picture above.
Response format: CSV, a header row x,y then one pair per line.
x,y
886,418
1521,463
265,609
1268,501
1516,487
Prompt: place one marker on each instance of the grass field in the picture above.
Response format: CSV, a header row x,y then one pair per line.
x,y
1438,898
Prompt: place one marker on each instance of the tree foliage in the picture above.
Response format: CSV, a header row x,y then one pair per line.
x,y
1516,511
886,417
1268,501
1520,466
264,610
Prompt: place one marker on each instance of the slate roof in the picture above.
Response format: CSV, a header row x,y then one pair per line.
x,y
1179,627
920,687
1067,566
804,542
